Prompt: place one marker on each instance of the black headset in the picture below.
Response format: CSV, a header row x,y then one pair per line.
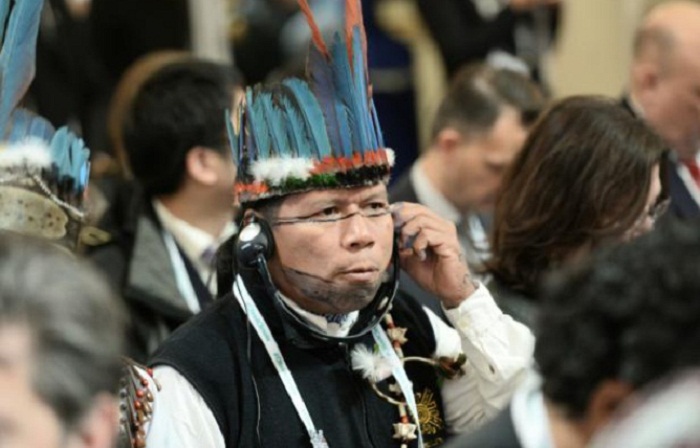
x,y
254,241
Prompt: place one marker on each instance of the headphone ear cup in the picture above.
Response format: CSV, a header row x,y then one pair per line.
x,y
254,239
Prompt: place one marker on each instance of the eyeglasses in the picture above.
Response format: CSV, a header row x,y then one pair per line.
x,y
333,214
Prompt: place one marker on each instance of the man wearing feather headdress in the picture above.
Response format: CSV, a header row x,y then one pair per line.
x,y
311,348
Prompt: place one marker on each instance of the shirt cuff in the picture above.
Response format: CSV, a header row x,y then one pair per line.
x,y
477,313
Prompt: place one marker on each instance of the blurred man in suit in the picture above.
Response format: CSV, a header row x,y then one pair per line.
x,y
479,128
665,91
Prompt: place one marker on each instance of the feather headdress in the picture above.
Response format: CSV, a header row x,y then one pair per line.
x,y
43,171
318,132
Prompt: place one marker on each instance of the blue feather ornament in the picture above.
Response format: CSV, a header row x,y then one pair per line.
x,y
4,11
296,130
232,138
361,97
260,147
321,79
322,132
275,121
310,109
344,92
18,54
24,123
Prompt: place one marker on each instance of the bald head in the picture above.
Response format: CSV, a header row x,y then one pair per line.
x,y
665,75
670,30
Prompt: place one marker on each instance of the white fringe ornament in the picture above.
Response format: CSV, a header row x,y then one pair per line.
x,y
276,170
372,366
31,152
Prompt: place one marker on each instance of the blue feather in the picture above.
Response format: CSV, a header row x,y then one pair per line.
x,y
296,129
4,10
17,57
79,156
232,137
18,125
241,133
70,158
60,146
276,124
345,91
364,119
377,127
39,127
85,176
258,127
346,134
323,86
313,116
24,123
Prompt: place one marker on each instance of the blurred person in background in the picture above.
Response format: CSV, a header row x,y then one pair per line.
x,y
61,331
162,238
507,33
480,126
61,338
587,176
663,415
625,319
664,90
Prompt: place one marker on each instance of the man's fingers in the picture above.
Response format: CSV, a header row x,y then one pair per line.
x,y
425,241
412,228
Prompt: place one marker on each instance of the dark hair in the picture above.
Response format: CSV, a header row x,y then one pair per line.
x,y
631,314
478,92
181,106
75,323
582,178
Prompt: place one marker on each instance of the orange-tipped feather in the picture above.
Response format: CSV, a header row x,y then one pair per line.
x,y
353,18
316,36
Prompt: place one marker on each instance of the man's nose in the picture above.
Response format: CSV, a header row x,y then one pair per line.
x,y
357,233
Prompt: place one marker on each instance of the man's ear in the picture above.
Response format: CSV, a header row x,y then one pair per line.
x,y
99,428
448,140
200,164
605,400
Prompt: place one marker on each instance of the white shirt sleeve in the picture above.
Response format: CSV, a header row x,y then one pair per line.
x,y
181,418
499,354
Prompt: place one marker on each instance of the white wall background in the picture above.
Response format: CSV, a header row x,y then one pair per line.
x,y
595,46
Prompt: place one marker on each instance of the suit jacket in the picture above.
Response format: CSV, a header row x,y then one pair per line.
x,y
498,433
683,205
137,263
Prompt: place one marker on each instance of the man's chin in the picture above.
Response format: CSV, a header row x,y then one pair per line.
x,y
354,297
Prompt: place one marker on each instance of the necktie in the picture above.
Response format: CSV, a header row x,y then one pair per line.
x,y
208,257
694,169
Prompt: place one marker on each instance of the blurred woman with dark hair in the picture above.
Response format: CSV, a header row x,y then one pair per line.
x,y
587,176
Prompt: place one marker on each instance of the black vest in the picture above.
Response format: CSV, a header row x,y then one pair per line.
x,y
223,358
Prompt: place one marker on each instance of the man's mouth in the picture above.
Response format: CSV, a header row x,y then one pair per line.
x,y
360,274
